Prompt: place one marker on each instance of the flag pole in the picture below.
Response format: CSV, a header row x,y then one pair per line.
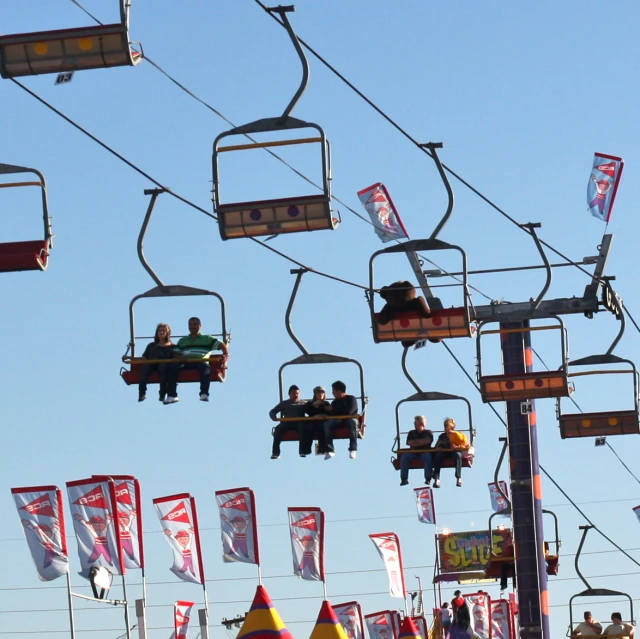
x,y
259,576
71,622
126,606
206,605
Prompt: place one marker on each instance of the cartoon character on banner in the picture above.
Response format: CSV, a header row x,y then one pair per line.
x,y
380,628
183,539
45,535
307,566
394,574
125,522
602,188
479,614
238,545
425,507
349,620
97,526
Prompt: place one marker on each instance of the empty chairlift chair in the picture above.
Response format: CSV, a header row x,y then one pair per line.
x,y
77,49
527,385
32,255
602,423
290,214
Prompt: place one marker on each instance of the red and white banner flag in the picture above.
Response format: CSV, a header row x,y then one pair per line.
x,y
306,528
636,510
239,525
179,523
92,504
129,518
603,184
181,618
350,617
388,546
480,613
385,217
498,501
42,517
501,620
425,505
383,625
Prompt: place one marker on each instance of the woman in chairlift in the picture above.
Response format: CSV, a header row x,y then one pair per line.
x,y
161,348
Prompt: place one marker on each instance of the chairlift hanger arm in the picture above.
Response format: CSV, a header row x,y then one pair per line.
x,y
531,228
143,231
287,317
432,146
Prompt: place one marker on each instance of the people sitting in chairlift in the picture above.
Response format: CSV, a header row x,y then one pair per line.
x,y
161,348
294,407
342,405
456,442
317,407
420,438
588,628
618,628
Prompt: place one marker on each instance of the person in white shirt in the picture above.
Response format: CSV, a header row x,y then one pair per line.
x,y
588,628
619,629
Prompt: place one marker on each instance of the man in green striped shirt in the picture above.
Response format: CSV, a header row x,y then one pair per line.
x,y
196,348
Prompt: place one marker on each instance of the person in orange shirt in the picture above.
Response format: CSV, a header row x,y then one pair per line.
x,y
455,443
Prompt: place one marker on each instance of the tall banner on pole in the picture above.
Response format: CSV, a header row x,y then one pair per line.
x,y
128,518
501,620
498,502
350,616
603,185
306,528
383,625
384,216
92,504
480,608
181,618
388,546
425,505
42,517
238,525
179,523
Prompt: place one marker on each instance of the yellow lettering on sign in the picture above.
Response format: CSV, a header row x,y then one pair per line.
x,y
451,549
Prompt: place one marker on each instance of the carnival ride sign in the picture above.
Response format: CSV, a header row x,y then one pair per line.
x,y
469,551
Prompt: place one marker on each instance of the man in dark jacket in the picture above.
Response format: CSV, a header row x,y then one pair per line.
x,y
341,406
292,407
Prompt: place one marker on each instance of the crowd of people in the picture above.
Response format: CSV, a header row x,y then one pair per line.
x,y
192,352
316,418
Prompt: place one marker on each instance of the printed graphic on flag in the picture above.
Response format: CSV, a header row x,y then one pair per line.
x,y
181,618
603,185
480,613
425,505
383,625
179,523
129,518
238,525
500,620
42,517
388,546
306,529
498,502
91,502
383,213
350,616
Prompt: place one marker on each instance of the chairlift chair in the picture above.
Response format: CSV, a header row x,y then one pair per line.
x,y
399,451
32,255
604,423
523,386
94,47
410,326
291,214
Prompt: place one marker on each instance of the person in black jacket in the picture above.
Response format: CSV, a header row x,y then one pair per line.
x,y
289,408
161,348
317,407
342,405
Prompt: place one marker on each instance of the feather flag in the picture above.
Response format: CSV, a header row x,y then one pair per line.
x,y
42,517
388,546
383,625
238,525
603,185
498,502
501,620
383,213
636,510
179,521
181,618
93,503
350,616
425,505
306,528
480,609
129,518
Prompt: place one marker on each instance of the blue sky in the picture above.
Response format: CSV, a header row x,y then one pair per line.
x,y
521,95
